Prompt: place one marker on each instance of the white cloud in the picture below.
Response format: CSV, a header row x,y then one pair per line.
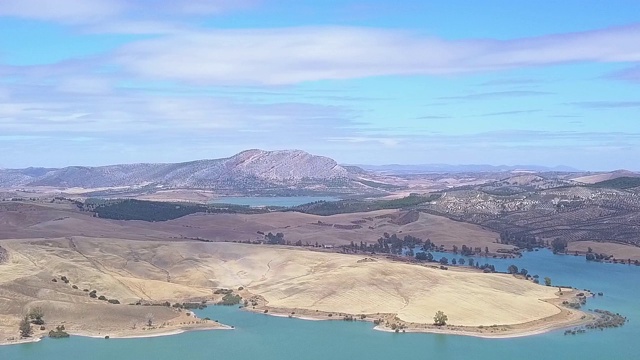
x,y
386,141
85,85
294,55
139,16
65,11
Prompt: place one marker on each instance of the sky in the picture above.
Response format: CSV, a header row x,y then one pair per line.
x,y
364,82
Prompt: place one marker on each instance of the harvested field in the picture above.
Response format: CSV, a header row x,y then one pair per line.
x,y
284,277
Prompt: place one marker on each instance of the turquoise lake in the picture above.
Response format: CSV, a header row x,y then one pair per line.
x,y
285,201
263,337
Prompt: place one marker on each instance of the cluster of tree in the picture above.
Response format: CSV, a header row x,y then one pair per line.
x,y
624,182
58,333
131,209
559,245
230,299
34,316
521,240
591,256
512,269
486,268
277,239
393,244
427,256
469,251
424,256
325,208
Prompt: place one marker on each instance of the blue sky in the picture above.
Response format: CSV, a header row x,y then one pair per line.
x,y
369,82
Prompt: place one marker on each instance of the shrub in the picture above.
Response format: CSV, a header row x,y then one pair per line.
x,y
36,314
440,318
58,333
25,327
230,299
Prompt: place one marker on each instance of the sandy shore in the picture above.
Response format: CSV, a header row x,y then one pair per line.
x,y
151,333
124,334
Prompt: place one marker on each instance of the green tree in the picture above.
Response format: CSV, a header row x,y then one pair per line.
x,y
547,281
440,318
559,245
25,327
36,314
512,269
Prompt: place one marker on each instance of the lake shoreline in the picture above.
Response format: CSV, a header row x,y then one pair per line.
x,y
123,334
566,318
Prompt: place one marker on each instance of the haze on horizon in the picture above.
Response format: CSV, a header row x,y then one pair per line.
x,y
364,82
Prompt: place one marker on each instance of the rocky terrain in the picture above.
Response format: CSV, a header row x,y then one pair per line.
x,y
536,209
246,172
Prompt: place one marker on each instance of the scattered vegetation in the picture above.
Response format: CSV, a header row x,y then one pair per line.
x,y
230,299
25,327
58,333
325,208
621,183
35,315
131,209
145,210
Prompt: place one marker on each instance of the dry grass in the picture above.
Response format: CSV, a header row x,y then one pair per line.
x,y
27,220
284,277
619,251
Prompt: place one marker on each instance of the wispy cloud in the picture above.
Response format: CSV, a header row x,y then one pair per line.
x,y
386,141
65,11
294,55
434,117
566,116
606,104
510,82
513,112
631,75
82,12
496,94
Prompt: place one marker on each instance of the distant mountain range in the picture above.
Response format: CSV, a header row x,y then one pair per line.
x,y
246,171
446,168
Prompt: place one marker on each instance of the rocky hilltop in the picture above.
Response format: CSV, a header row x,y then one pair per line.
x,y
246,171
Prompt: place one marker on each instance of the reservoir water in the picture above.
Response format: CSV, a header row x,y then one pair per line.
x,y
263,337
284,201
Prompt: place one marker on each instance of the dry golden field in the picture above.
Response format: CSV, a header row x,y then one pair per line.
x,y
289,278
